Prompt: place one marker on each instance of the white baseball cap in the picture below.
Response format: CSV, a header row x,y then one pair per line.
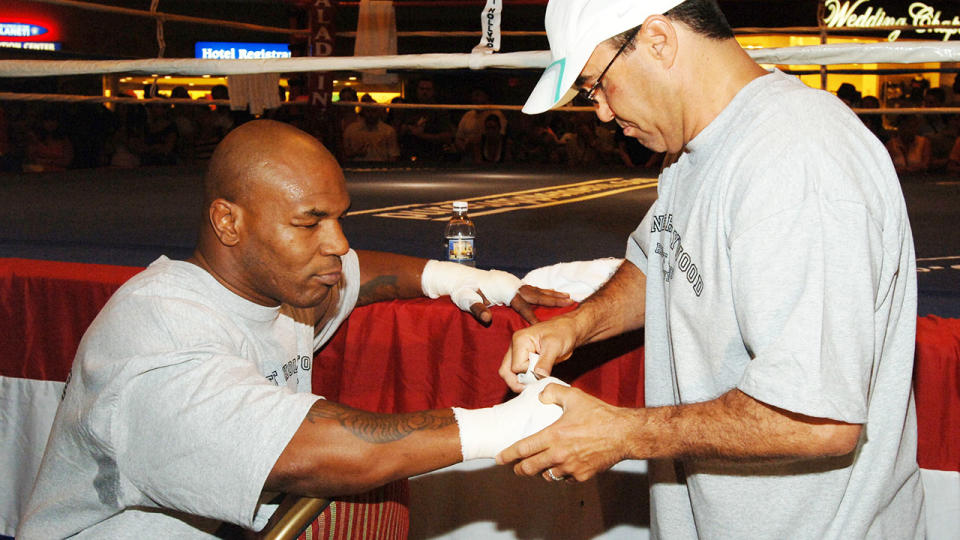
x,y
574,29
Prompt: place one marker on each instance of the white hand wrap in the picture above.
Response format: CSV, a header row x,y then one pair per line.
x,y
484,433
441,278
529,377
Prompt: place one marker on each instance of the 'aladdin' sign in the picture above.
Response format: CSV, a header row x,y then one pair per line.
x,y
855,14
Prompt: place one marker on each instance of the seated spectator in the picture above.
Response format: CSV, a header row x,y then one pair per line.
x,y
492,147
910,151
916,89
939,128
953,92
338,118
874,122
87,126
580,140
297,85
538,142
347,115
125,142
426,134
213,124
473,123
849,94
185,118
49,148
370,139
605,142
160,137
395,116
933,125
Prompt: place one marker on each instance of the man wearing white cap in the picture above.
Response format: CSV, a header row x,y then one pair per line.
x,y
775,280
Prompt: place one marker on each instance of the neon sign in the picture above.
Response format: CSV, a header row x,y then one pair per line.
x,y
17,30
31,45
844,14
20,30
219,50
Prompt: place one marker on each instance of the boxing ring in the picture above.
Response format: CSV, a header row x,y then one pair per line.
x,y
412,355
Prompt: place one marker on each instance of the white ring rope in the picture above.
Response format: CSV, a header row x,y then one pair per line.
x,y
840,53
900,52
193,66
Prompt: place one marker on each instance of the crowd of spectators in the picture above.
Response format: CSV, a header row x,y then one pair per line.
x,y
919,142
41,136
45,136
484,136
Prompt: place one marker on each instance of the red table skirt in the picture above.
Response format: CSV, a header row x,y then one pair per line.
x,y
45,307
419,354
409,355
936,382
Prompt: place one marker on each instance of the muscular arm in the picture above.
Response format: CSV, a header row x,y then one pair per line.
x,y
592,435
388,276
340,450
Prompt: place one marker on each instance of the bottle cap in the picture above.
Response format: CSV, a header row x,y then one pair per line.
x,y
459,205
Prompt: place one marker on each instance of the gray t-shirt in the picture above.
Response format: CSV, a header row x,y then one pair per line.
x,y
180,400
780,261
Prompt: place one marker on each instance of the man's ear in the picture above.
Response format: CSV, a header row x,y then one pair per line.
x,y
660,37
225,220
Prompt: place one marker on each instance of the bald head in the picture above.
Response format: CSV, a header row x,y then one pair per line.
x,y
256,153
273,200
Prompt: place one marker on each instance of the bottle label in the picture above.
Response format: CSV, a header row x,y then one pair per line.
x,y
460,249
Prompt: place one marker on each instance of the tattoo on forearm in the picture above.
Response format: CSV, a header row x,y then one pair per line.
x,y
379,428
380,288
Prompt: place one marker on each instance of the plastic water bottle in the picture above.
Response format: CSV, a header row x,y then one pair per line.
x,y
460,236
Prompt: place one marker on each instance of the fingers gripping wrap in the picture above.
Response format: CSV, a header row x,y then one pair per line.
x,y
441,278
529,377
485,432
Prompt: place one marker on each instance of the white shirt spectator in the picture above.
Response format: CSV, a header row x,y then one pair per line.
x,y
365,142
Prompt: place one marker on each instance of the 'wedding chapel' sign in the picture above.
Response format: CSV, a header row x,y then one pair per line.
x,y
864,14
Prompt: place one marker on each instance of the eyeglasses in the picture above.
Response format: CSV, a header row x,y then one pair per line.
x,y
591,94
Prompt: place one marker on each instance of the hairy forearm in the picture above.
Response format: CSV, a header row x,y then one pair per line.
x,y
735,427
617,307
340,450
388,276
